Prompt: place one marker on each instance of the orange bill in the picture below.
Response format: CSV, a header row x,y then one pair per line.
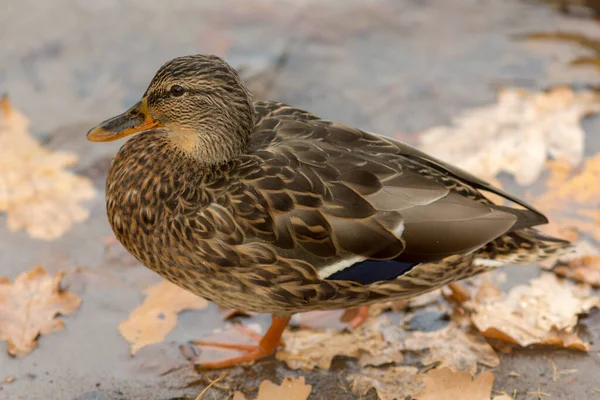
x,y
136,119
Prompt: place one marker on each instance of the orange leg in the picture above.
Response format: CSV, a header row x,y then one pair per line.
x,y
360,317
267,346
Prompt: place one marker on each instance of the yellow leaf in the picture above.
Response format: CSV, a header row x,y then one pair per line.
x,y
453,346
310,348
290,389
516,135
390,383
445,384
572,198
36,192
530,314
28,308
157,315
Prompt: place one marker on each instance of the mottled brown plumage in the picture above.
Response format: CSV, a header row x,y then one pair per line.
x,y
260,206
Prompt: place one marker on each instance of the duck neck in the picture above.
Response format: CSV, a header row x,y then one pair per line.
x,y
217,135
212,145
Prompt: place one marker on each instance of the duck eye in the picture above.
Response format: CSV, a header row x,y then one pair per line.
x,y
177,90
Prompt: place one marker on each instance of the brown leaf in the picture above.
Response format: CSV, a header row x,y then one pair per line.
x,y
28,308
290,389
308,348
516,135
543,312
583,269
583,264
572,198
36,191
390,383
157,315
453,346
445,384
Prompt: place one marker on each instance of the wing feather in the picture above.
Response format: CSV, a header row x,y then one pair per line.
x,y
329,195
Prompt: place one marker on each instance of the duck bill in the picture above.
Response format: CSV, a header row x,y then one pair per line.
x,y
136,119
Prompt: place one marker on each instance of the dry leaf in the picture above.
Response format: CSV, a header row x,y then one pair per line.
x,y
582,264
308,348
572,199
583,269
35,191
543,312
290,389
516,135
445,384
453,346
157,315
390,383
28,308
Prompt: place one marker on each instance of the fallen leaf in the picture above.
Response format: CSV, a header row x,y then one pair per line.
x,y
29,306
582,265
572,198
309,348
36,192
445,384
480,287
453,346
157,315
583,269
390,383
290,389
516,135
543,312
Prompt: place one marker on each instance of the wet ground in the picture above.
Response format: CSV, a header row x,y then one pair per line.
x,y
393,67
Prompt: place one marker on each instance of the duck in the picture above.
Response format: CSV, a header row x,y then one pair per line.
x,y
264,207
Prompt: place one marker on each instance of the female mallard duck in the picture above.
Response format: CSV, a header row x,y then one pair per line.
x,y
263,207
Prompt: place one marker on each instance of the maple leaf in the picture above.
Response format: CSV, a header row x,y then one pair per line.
x,y
390,383
572,198
529,314
29,306
157,315
290,389
445,384
453,346
516,135
36,192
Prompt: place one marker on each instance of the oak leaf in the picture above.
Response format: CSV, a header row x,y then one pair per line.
x,y
453,346
390,383
36,191
446,384
543,312
29,306
516,135
290,389
311,348
572,198
157,315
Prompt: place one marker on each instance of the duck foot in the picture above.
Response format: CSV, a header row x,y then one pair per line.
x,y
267,345
360,317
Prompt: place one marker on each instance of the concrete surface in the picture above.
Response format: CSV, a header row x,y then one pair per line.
x,y
389,66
